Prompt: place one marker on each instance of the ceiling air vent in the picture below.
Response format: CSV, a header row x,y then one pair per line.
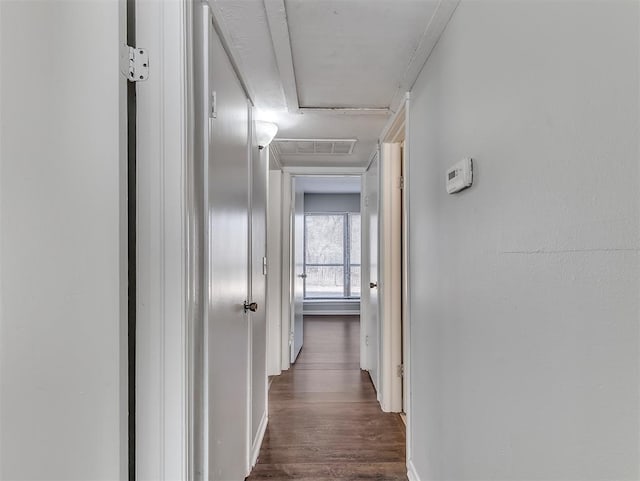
x,y
315,146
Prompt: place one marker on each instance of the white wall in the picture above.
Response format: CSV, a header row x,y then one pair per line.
x,y
62,290
286,252
274,272
524,288
324,203
329,307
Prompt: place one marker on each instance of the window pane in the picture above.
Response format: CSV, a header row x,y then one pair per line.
x,y
355,238
324,281
325,239
355,281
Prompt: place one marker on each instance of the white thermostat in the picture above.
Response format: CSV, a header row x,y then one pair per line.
x,y
460,176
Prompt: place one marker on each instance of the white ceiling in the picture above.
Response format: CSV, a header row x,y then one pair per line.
x,y
333,69
353,53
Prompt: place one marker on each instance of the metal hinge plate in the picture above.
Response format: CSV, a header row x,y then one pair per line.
x,y
401,183
213,106
400,370
134,63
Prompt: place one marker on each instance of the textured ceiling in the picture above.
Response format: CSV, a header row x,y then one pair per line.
x,y
329,68
353,53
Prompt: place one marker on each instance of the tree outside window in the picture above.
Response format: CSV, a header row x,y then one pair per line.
x,y
332,256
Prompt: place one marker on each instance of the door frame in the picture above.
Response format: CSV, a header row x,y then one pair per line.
x,y
288,266
163,266
394,269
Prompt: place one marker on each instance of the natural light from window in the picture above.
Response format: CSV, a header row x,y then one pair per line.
x,y
332,256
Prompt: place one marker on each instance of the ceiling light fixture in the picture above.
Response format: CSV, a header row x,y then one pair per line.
x,y
265,132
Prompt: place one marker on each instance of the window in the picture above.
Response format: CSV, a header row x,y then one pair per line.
x,y
332,256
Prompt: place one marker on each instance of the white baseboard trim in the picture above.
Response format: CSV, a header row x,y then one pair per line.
x,y
257,442
412,474
331,313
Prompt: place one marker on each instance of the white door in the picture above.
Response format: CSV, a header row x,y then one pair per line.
x,y
63,247
373,324
225,135
258,295
299,274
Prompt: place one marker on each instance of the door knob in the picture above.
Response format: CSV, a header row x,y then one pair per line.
x,y
302,276
253,306
372,285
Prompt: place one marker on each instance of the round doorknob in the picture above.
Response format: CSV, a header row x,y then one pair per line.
x,y
302,276
253,306
372,285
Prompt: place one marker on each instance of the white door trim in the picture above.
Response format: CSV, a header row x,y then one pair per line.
x,y
406,304
257,442
287,266
162,268
389,286
392,302
249,427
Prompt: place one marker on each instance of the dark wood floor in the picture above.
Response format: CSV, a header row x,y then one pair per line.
x,y
324,420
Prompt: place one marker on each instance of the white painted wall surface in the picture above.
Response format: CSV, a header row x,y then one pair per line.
x,y
326,203
287,281
524,288
274,272
62,324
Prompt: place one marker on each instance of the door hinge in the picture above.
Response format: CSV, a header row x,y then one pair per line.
x,y
213,107
264,266
400,370
366,340
400,182
134,63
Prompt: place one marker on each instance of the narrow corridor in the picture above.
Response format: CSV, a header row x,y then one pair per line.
x,y
324,420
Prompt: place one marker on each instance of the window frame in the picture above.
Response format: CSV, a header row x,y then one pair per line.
x,y
346,256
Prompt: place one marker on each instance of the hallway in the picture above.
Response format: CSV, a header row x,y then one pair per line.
x,y
324,420
482,162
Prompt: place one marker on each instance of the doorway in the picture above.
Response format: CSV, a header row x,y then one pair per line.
x,y
394,251
325,239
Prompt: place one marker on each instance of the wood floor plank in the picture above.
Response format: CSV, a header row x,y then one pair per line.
x,y
324,421
338,472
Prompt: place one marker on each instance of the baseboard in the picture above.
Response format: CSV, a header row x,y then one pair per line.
x,y
412,474
257,442
335,312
